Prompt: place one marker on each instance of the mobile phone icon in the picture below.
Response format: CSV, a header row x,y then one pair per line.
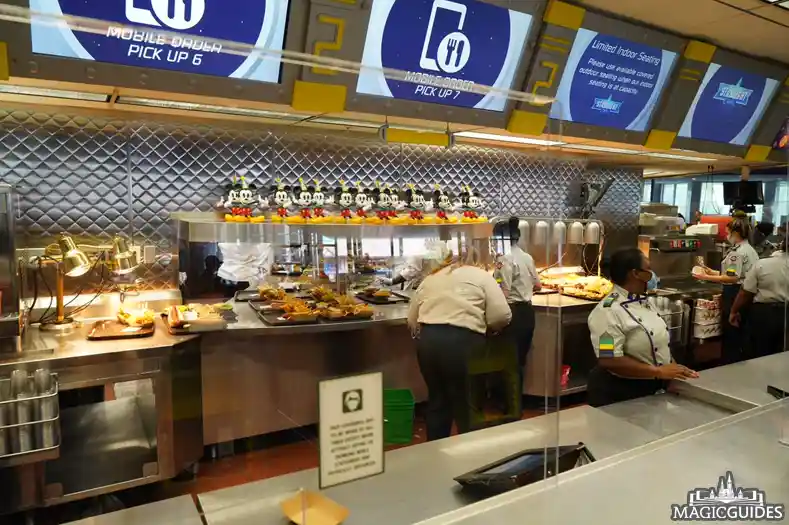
x,y
428,62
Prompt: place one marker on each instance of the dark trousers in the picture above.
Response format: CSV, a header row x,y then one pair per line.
x,y
443,352
734,342
768,328
604,388
521,329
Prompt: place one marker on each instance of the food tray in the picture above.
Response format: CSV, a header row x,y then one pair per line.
x,y
37,437
243,296
586,297
346,318
391,299
113,329
276,320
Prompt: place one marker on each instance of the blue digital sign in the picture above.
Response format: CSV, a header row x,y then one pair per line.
x,y
259,23
446,47
727,106
611,82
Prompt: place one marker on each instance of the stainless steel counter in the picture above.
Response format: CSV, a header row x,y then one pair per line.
x,y
666,414
44,348
640,486
175,511
418,482
555,300
741,385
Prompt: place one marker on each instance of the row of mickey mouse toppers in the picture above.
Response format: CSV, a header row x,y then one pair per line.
x,y
351,205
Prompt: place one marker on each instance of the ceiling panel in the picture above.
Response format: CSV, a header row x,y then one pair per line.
x,y
748,26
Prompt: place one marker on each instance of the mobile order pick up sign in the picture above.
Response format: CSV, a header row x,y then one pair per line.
x,y
260,23
612,82
446,47
728,105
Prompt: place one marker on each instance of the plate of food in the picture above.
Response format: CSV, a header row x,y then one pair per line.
x,y
380,296
192,318
129,323
589,288
347,312
271,293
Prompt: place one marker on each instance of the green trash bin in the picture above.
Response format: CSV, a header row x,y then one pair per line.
x,y
398,417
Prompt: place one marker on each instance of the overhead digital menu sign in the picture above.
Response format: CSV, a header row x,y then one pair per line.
x,y
260,23
611,82
728,105
446,47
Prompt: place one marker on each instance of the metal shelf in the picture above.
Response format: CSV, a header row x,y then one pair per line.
x,y
207,227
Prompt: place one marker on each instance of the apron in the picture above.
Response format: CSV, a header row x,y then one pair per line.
x,y
733,347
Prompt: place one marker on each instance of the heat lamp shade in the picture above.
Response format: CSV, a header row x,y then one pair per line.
x,y
123,257
576,233
541,233
75,262
592,233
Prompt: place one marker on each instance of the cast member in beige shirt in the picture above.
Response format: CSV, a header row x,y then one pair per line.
x,y
451,313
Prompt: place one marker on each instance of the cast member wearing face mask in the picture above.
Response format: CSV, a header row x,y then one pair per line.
x,y
630,338
738,262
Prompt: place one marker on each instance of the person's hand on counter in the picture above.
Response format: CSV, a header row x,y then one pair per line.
x,y
675,371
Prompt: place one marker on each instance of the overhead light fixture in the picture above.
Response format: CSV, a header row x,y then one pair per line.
x,y
208,108
507,138
53,93
601,149
676,157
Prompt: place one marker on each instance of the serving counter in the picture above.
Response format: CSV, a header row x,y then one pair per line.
x,y
418,482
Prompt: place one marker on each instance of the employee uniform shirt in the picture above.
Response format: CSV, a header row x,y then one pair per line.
x,y
769,279
413,273
739,260
626,325
463,296
518,275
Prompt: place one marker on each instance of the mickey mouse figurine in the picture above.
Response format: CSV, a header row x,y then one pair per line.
x,y
442,203
384,202
344,199
469,202
239,200
319,200
304,201
415,201
280,194
362,201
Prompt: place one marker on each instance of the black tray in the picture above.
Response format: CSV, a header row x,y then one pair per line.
x,y
346,319
274,320
243,296
392,299
109,330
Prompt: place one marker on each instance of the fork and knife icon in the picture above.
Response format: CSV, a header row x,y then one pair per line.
x,y
454,51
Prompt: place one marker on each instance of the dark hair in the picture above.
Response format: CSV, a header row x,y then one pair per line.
x,y
765,228
515,231
740,226
622,263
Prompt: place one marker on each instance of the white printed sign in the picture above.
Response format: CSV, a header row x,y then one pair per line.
x,y
351,428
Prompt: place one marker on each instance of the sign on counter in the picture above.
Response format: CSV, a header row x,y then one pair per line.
x,y
351,424
260,23
446,47
728,105
612,82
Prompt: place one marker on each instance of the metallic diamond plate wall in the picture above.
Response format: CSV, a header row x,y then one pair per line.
x,y
96,177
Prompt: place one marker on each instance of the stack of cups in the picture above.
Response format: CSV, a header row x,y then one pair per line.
x,y
47,409
22,412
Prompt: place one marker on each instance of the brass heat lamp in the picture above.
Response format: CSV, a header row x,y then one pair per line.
x,y
72,260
